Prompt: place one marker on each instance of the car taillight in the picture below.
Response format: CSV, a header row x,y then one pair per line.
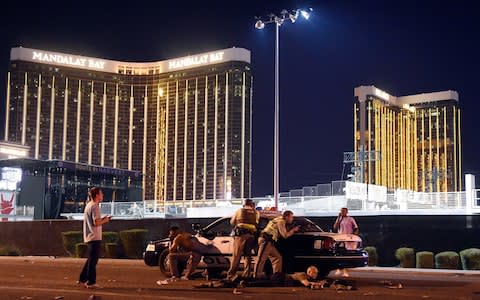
x,y
328,244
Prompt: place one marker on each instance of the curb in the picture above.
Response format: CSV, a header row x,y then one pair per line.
x,y
418,271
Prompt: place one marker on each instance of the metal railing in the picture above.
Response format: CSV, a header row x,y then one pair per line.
x,y
401,202
476,199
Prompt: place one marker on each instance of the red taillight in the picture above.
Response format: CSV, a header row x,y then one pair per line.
x,y
328,244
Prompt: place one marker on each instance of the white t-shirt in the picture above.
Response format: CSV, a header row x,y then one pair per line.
x,y
90,231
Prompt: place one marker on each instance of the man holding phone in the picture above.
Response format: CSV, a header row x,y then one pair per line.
x,y
345,223
92,235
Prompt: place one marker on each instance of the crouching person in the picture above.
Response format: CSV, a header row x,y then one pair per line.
x,y
184,248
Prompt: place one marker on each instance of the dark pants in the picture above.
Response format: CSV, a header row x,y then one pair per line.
x,y
174,259
89,271
198,249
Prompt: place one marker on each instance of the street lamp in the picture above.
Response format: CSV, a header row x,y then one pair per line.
x,y
285,15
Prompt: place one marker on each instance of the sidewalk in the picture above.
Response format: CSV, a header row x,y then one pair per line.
x,y
416,271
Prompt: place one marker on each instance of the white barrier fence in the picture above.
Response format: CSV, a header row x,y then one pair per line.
x,y
401,202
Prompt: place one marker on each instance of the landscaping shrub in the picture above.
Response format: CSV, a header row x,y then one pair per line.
x,y
134,242
70,240
81,250
424,260
406,256
447,260
112,250
470,259
9,251
112,238
372,255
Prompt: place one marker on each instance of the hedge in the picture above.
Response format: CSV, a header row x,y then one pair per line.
x,y
372,255
10,251
447,260
424,260
406,256
70,239
134,242
112,250
111,244
81,250
470,259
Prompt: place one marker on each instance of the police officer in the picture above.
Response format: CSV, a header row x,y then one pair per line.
x,y
275,229
245,221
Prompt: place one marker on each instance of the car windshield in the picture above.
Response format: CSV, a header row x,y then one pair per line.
x,y
222,227
306,225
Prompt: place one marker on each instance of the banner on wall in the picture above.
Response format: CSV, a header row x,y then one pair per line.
x,y
7,204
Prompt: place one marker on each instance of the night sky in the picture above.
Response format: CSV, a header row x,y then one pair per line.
x,y
402,47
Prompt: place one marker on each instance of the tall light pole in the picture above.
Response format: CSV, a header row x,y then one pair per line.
x,y
291,15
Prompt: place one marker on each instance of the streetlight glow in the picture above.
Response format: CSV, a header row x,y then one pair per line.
x,y
306,13
259,24
291,15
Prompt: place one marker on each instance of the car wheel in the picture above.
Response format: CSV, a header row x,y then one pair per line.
x,y
163,263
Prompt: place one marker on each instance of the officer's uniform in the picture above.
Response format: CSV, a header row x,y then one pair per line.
x,y
275,229
245,221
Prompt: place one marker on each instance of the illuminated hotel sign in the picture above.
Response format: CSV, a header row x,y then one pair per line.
x,y
195,60
69,60
130,68
382,94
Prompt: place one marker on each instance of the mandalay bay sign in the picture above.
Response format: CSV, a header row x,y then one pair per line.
x,y
195,60
68,60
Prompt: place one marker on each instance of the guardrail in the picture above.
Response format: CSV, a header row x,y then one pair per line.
x,y
476,201
402,202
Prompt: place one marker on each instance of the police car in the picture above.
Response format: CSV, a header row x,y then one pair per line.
x,y
310,246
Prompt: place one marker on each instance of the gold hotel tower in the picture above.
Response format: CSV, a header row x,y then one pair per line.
x,y
417,139
185,123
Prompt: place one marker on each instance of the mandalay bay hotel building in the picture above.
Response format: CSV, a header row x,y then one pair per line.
x,y
185,123
413,141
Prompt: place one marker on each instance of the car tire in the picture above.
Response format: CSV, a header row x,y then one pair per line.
x,y
163,263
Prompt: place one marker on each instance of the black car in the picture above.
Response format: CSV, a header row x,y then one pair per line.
x,y
310,246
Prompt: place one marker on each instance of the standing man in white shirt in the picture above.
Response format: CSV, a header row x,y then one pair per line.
x,y
92,235
345,223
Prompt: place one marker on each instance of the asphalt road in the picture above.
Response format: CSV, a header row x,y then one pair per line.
x,y
55,278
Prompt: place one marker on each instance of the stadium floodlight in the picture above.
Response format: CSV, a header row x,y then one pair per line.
x,y
284,15
306,13
259,24
293,16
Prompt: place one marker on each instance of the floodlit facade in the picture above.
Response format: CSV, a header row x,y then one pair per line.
x,y
185,123
410,142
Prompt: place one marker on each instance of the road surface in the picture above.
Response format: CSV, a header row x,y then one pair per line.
x,y
55,278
